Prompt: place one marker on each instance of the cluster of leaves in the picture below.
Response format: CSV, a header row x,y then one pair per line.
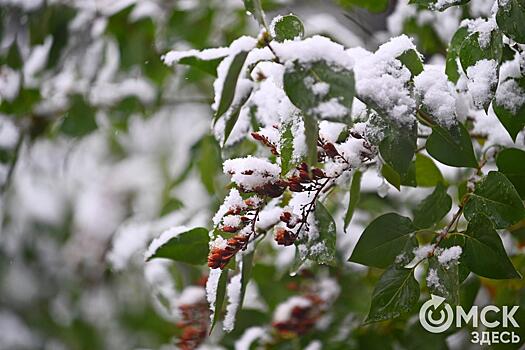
x,y
487,202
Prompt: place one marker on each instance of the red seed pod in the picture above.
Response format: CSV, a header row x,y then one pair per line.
x,y
284,237
318,173
245,219
303,166
247,172
257,136
296,187
273,190
330,150
230,229
286,216
304,176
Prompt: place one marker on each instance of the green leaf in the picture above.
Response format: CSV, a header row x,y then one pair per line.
x,y
255,9
452,68
246,274
23,104
496,197
171,205
433,4
484,253
412,61
513,121
452,146
383,240
398,148
286,148
208,66
471,52
219,297
209,162
396,293
355,193
447,285
311,133
393,178
233,116
370,5
287,27
327,237
433,208
300,79
80,118
511,162
230,83
427,173
456,239
510,19
190,247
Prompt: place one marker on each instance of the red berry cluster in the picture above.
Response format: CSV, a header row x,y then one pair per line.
x,y
194,325
302,319
219,257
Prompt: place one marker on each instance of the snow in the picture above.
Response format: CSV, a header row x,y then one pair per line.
x,y
483,27
211,289
192,295
164,238
481,78
381,78
331,109
330,131
449,255
268,217
251,172
442,4
351,151
232,201
173,57
249,336
284,310
437,94
422,252
232,220
300,148
10,81
8,133
233,292
316,48
433,279
318,88
510,96
219,242
328,290
314,345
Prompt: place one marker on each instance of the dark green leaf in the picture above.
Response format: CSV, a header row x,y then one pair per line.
x,y
327,237
208,66
433,4
452,68
355,192
396,293
219,297
383,240
496,197
311,133
287,27
433,208
412,61
452,146
23,104
393,178
427,173
370,5
513,121
80,118
398,148
471,52
233,115
230,83
510,19
177,248
511,162
246,274
299,81
255,9
286,148
209,162
484,253
447,283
